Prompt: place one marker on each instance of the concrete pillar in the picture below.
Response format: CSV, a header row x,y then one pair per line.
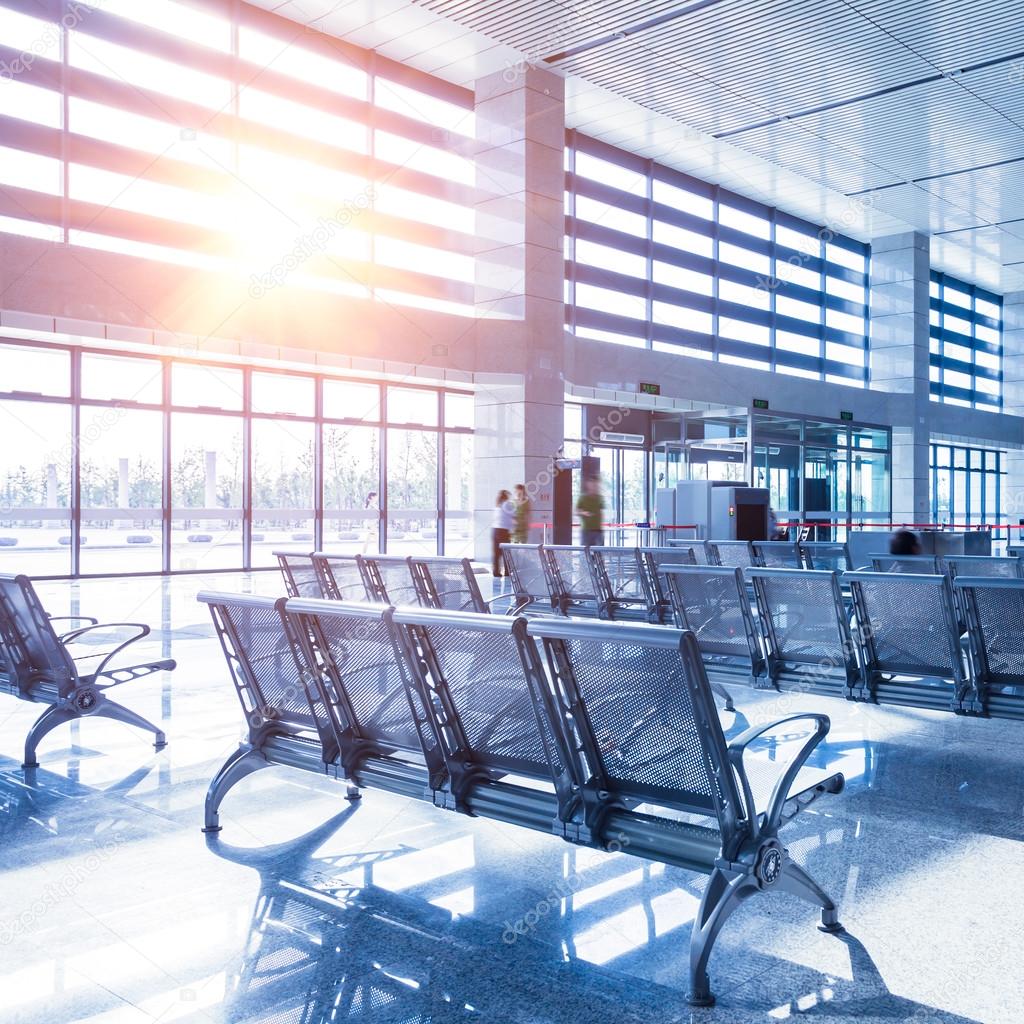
x,y
900,269
519,333
1013,404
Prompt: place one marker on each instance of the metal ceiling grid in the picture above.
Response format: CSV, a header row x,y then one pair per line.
x,y
921,209
993,242
929,129
994,194
792,146
770,53
951,34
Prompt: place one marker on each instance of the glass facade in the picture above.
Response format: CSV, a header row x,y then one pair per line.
x,y
966,344
147,464
967,485
236,140
657,259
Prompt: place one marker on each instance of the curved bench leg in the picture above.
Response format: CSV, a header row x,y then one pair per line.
x,y
49,720
797,882
244,761
721,898
119,713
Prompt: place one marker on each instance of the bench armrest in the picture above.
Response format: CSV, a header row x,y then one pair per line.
x,y
72,618
780,794
142,630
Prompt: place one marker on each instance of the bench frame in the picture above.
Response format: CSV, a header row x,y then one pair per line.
x,y
27,633
743,855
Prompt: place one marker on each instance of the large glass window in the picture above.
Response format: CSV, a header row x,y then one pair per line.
x,y
966,344
412,492
35,487
299,458
121,455
966,485
287,119
655,258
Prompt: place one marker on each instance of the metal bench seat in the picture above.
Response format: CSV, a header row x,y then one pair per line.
x,y
448,583
618,581
820,554
737,554
778,554
526,566
926,565
340,577
571,578
300,576
712,602
388,579
38,665
653,561
806,631
908,640
612,717
995,617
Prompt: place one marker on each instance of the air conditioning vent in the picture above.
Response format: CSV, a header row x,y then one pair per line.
x,y
615,438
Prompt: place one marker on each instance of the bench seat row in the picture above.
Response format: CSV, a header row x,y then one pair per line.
x,y
602,734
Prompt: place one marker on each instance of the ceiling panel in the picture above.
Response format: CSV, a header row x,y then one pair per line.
x,y
930,129
995,243
920,208
779,56
994,194
951,34
790,145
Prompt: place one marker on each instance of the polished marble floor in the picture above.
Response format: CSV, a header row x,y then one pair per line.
x,y
115,909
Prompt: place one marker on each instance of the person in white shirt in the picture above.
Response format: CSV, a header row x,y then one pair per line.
x,y
503,522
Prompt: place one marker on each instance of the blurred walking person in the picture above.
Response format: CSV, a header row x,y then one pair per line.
x,y
502,523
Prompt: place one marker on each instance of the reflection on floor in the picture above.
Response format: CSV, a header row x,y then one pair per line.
x,y
115,909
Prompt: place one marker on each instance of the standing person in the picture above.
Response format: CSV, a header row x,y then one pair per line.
x,y
521,533
371,532
503,522
591,509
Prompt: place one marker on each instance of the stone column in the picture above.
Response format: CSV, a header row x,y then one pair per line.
x,y
900,270
519,333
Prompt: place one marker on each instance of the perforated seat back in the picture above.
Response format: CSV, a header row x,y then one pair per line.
x,y
452,584
300,575
648,722
340,577
270,683
526,567
388,580
33,651
363,662
621,568
653,561
826,555
804,616
479,665
995,610
925,565
737,554
982,565
906,624
570,567
712,602
778,554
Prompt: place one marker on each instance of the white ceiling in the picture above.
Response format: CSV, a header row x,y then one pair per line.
x,y
871,116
